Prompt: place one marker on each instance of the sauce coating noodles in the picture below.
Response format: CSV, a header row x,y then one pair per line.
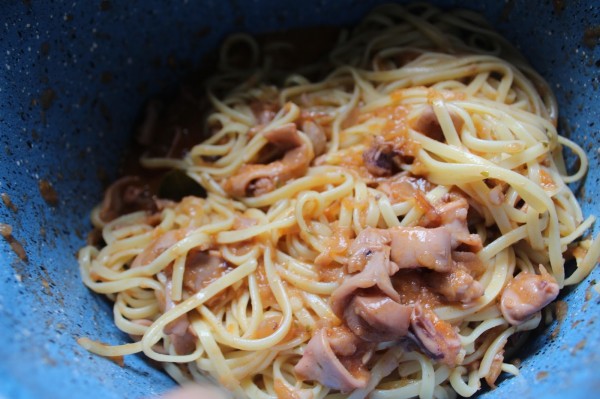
x,y
386,229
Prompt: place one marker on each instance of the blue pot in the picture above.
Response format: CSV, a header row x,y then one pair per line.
x,y
73,77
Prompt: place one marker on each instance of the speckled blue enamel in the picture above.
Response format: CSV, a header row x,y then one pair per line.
x,y
73,76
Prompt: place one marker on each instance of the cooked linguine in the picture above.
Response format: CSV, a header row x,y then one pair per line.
x,y
391,226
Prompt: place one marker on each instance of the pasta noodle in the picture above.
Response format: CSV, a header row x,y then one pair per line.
x,y
421,123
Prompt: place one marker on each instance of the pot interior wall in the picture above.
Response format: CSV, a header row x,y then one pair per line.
x,y
72,81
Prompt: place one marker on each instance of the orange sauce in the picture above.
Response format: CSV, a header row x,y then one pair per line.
x,y
546,181
336,245
395,125
266,295
400,190
48,192
413,289
7,201
242,247
283,392
350,158
482,130
270,324
15,245
340,241
119,360
266,327
192,206
397,95
333,210
331,273
429,213
445,95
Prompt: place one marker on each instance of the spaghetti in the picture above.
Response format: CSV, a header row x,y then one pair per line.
x,y
388,229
